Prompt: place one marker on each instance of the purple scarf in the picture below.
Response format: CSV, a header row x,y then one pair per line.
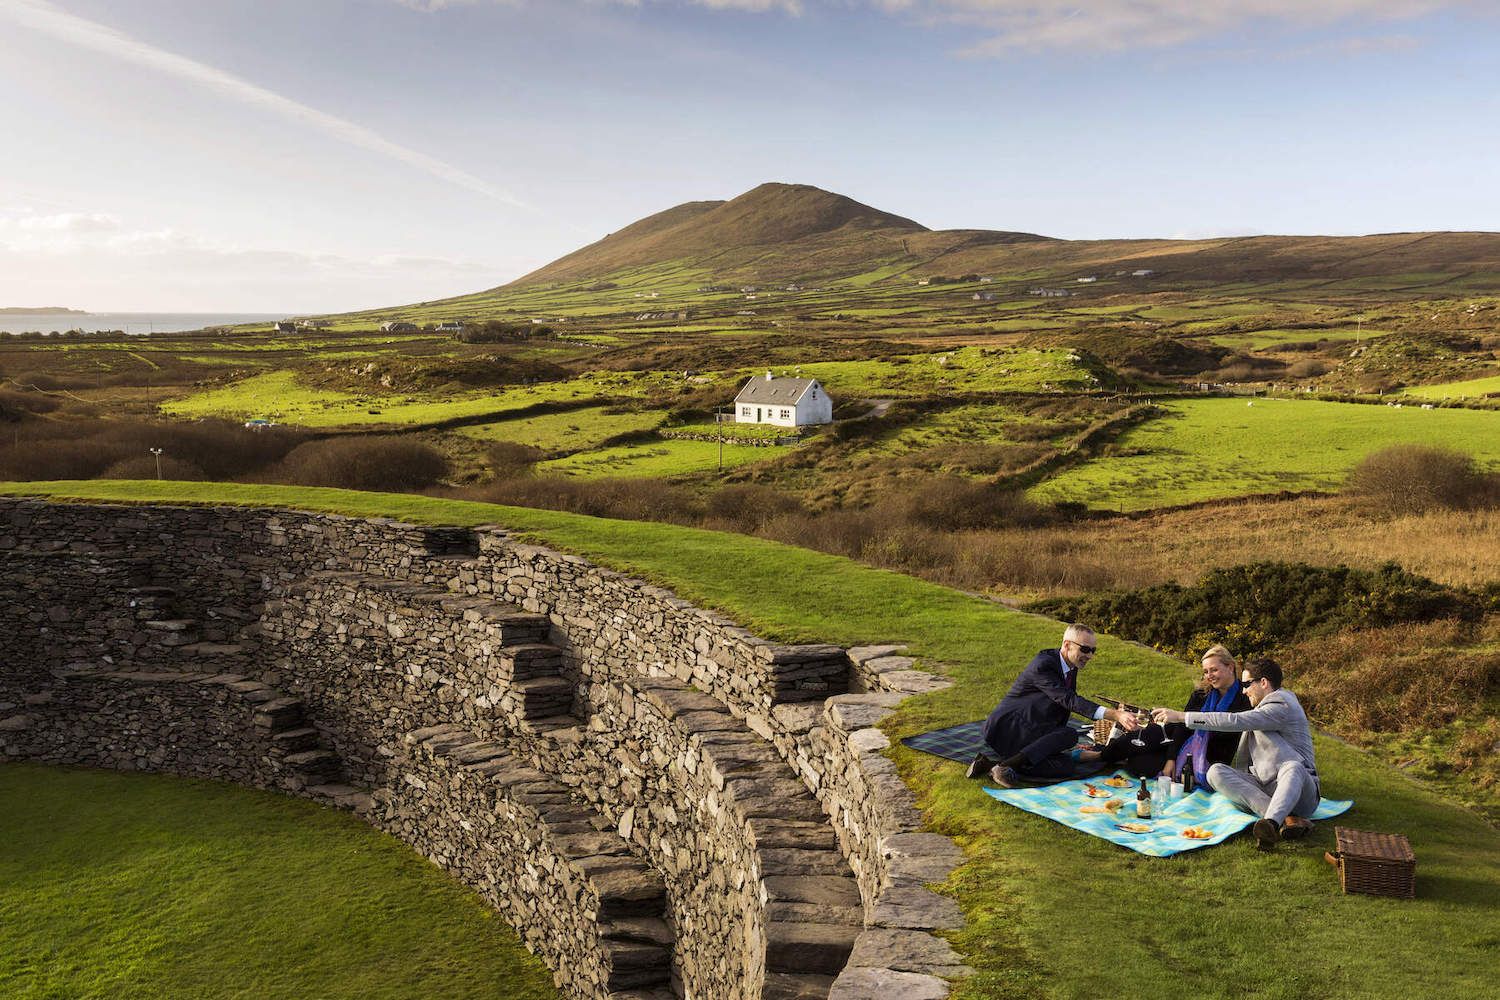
x,y
1197,744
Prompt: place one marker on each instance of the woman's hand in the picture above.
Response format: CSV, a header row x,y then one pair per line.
x,y
1169,770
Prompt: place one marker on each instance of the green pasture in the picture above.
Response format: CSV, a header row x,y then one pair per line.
x,y
969,369
572,430
1469,389
1215,923
659,458
977,423
281,396
1209,449
1262,339
117,885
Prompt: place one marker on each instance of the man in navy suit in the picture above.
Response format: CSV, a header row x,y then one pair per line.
x,y
1028,733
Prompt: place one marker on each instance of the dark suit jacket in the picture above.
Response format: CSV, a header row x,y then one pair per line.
x,y
1039,702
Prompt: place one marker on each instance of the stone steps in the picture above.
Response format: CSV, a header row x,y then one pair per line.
x,y
624,897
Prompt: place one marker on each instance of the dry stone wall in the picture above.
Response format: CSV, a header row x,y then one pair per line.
x,y
743,776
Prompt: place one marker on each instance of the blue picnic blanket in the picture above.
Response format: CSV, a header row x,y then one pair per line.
x,y
1203,809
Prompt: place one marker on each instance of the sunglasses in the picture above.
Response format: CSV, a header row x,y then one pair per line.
x,y
1084,649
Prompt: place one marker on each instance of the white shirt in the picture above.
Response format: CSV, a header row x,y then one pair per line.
x,y
1068,668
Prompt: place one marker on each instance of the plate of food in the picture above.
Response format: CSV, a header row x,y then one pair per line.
x,y
1095,792
1118,781
1104,808
1135,827
1197,833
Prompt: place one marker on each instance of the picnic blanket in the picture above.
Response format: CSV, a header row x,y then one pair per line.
x,y
964,742
1203,809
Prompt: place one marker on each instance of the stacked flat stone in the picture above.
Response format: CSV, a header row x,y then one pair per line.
x,y
744,776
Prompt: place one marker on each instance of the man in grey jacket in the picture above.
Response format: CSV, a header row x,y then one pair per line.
x,y
1273,774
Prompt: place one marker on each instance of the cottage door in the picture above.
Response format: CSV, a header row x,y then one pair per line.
x,y
757,414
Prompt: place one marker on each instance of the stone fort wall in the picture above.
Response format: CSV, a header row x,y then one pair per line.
x,y
661,802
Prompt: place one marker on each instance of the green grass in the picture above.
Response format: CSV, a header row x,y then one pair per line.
x,y
735,431
972,423
281,396
573,430
146,886
1469,389
651,459
1207,449
968,369
1051,912
1261,339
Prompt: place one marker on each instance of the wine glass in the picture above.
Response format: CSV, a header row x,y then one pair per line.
x,y
1143,719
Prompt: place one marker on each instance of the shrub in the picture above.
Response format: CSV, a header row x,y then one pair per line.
x,y
1412,478
511,458
745,507
952,503
363,463
1258,606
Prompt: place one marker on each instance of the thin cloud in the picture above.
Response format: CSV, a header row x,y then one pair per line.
x,y
43,17
1005,26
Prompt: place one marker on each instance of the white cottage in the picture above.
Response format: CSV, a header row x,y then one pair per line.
x,y
785,402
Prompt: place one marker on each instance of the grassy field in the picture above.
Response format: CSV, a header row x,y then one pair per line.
x,y
1209,449
573,430
1262,339
968,369
1471,389
659,458
1201,924
282,396
118,886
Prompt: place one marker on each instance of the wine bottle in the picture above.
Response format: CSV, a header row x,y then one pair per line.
x,y
1189,777
1143,802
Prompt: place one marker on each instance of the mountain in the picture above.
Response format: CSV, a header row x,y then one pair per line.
x,y
771,215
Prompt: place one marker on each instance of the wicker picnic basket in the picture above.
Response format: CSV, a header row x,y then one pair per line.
x,y
1380,864
1101,731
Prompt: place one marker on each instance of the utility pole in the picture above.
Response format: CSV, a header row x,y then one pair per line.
x,y
157,453
719,423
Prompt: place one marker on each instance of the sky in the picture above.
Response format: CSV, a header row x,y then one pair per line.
x,y
307,156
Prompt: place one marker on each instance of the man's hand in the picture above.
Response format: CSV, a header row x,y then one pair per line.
x,y
1125,720
1164,716
1169,770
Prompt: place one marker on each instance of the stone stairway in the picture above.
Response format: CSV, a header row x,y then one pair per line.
x,y
168,638
579,867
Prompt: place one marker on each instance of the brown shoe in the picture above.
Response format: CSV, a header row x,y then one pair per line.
x,y
1005,777
1267,834
1295,828
979,767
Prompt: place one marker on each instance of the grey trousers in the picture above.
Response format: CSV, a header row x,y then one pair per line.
x,y
1293,791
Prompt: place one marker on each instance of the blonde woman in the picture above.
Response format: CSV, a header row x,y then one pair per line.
x,y
1168,750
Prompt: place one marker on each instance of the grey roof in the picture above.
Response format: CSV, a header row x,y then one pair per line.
x,y
782,391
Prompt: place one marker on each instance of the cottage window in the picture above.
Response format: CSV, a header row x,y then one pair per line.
x,y
744,411
786,414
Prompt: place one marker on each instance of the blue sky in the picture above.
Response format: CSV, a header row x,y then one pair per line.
x,y
336,154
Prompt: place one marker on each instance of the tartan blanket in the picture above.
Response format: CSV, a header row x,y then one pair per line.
x,y
1203,809
963,742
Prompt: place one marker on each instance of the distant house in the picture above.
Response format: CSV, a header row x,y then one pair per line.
x,y
1049,293
1144,272
986,281
395,326
1089,280
286,326
451,326
924,281
984,296
784,402
794,288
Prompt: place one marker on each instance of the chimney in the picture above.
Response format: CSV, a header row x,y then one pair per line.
x,y
768,374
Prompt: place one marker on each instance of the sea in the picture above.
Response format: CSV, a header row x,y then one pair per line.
x,y
132,323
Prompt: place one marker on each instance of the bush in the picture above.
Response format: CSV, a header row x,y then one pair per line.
x,y
1259,606
1412,478
363,463
952,503
746,507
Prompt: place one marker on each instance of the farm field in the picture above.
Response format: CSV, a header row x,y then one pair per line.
x,y
571,430
1262,339
664,458
1024,876
141,885
1469,389
1208,449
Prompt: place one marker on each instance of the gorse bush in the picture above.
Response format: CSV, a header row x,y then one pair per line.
x,y
210,449
1412,478
363,463
1256,607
